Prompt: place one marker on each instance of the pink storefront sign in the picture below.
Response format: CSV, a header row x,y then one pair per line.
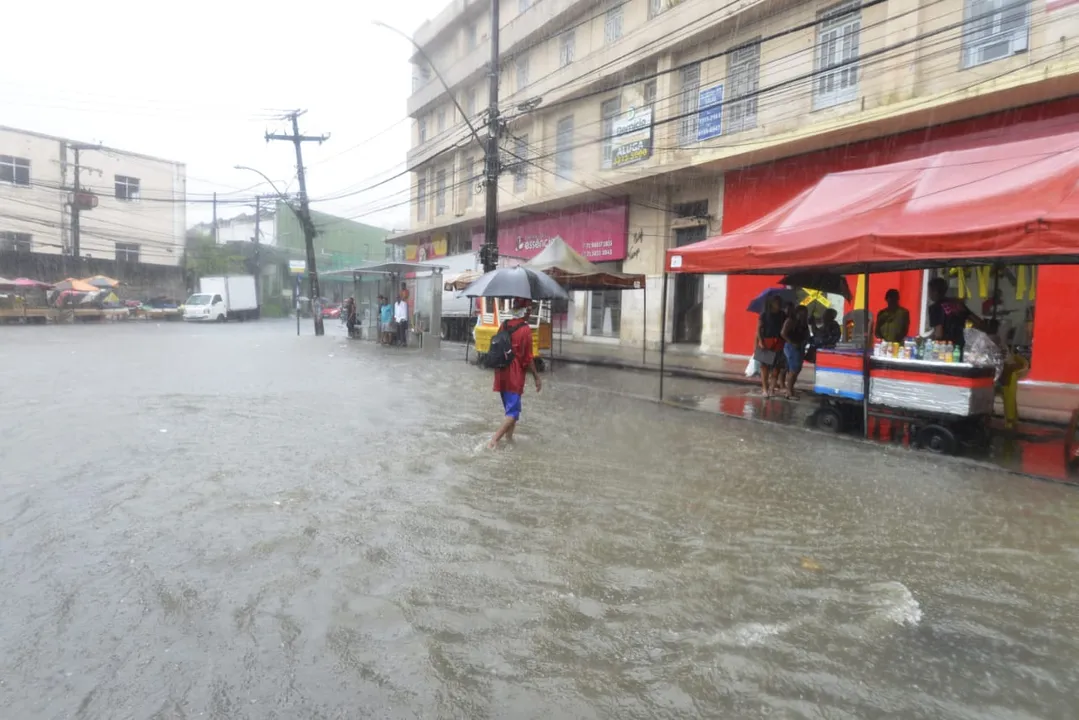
x,y
597,231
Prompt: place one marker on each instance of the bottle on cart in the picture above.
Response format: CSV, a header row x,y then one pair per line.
x,y
957,354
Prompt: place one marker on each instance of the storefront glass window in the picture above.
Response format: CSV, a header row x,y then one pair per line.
x,y
605,313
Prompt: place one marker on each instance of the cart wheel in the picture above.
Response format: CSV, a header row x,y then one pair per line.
x,y
829,420
540,365
937,439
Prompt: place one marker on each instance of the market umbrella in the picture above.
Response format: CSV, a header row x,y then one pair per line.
x,y
516,282
785,294
825,282
463,280
102,281
28,283
76,285
6,284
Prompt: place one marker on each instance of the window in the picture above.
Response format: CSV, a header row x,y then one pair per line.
x,y
440,192
743,79
523,5
993,29
14,170
520,169
655,7
471,32
127,252
470,180
689,104
563,156
470,102
567,48
649,93
441,119
127,188
605,313
612,25
837,55
522,72
421,131
421,198
609,110
16,242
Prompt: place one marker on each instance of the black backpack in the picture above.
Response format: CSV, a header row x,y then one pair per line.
x,y
501,354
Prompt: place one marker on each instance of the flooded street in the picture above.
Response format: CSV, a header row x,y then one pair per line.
x,y
233,522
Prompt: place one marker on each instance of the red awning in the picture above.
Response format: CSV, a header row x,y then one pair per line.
x,y
1010,201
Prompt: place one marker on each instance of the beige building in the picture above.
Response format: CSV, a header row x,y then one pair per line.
x,y
140,200
692,117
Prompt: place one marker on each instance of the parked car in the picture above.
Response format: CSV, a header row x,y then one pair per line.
x,y
331,311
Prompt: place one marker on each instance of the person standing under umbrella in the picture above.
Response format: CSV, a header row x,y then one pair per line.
x,y
770,342
509,381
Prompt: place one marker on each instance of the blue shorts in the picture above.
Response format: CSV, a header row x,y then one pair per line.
x,y
512,404
795,357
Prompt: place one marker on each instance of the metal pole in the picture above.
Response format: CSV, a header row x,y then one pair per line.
x,y
644,330
258,264
865,354
489,254
662,330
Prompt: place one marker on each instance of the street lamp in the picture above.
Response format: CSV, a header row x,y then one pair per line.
x,y
264,177
258,216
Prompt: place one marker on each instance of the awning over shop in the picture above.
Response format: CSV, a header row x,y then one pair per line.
x,y
575,272
956,208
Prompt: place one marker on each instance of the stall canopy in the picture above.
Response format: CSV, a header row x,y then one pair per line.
x,y
957,208
574,272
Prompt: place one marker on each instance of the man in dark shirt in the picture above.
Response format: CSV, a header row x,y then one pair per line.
x,y
510,380
947,316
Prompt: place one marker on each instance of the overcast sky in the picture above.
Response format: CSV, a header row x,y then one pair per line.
x,y
199,81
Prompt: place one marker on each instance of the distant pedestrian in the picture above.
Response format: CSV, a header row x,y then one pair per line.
x,y
509,380
400,316
385,320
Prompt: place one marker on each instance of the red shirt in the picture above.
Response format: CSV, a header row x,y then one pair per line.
x,y
512,378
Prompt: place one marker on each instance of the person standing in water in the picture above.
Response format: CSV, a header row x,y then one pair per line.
x,y
510,381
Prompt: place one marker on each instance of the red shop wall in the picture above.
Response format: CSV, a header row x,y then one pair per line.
x,y
753,192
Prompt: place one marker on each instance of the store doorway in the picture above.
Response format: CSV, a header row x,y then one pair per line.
x,y
688,292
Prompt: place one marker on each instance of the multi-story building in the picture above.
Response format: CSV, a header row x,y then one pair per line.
x,y
635,126
134,204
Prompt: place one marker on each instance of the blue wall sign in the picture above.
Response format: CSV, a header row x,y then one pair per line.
x,y
710,112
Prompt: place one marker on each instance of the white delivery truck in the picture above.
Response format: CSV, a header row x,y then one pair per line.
x,y
457,311
223,298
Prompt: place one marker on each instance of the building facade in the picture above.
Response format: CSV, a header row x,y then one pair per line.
x,y
134,205
637,126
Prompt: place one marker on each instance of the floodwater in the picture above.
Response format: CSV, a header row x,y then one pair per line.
x,y
233,522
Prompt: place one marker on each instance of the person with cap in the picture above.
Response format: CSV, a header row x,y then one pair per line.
x,y
510,381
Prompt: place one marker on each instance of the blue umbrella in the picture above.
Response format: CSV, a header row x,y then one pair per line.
x,y
785,294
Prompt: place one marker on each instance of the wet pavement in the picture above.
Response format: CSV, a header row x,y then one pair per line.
x,y
232,522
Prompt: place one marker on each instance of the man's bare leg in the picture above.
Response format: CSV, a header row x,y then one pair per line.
x,y
506,428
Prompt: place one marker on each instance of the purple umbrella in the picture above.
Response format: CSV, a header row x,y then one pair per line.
x,y
785,294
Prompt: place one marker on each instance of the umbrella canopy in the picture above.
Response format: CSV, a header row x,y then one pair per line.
x,y
463,280
824,282
785,294
102,281
76,285
575,272
28,283
516,282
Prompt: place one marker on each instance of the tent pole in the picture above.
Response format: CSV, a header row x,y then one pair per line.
x,y
662,331
866,340
644,330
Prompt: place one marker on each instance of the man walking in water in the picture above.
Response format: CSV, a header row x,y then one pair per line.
x,y
510,380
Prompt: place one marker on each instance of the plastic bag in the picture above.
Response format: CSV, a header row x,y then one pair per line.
x,y
752,368
980,350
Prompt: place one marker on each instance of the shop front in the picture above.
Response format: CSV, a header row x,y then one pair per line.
x,y
1007,292
598,231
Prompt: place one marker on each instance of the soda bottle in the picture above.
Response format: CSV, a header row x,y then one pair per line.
x,y
957,354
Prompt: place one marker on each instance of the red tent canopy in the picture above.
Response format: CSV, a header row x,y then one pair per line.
x,y
1016,200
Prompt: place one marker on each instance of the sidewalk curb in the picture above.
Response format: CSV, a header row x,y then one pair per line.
x,y
1050,417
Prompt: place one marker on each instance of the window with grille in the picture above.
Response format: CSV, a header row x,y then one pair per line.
x,y
563,158
650,93
567,48
994,29
689,104
655,7
14,170
127,252
837,55
16,242
127,188
471,32
743,80
520,168
608,111
440,192
470,102
421,198
612,25
522,72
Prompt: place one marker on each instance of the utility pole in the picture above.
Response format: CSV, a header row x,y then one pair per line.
x,y
75,229
492,166
215,219
305,211
258,264
79,201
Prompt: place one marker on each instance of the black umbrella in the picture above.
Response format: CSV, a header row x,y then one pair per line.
x,y
824,282
516,282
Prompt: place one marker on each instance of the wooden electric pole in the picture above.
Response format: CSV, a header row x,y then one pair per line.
x,y
492,165
305,211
